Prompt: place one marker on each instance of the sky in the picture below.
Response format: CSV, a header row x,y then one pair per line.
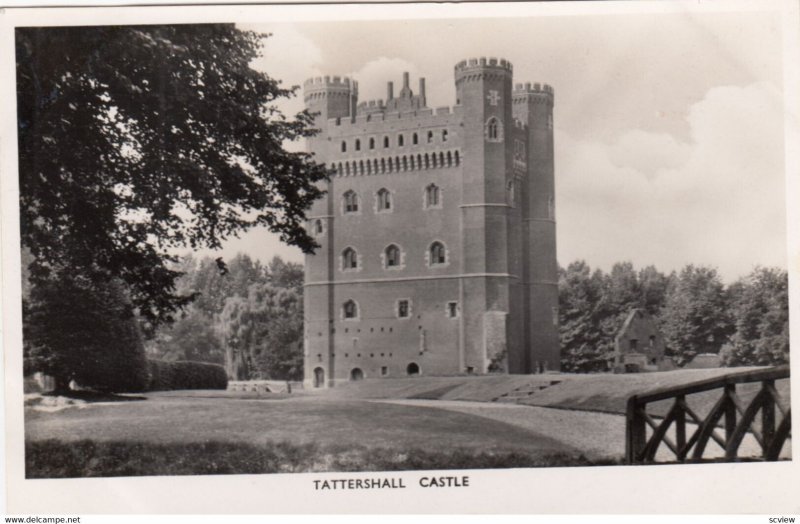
x,y
668,128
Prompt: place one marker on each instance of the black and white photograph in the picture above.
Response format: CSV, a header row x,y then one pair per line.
x,y
406,250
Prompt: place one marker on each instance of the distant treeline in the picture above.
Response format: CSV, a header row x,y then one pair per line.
x,y
246,315
746,322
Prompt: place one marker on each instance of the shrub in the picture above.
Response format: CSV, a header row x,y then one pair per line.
x,y
167,376
77,329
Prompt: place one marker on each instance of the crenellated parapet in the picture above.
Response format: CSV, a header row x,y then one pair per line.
x,y
535,93
475,69
370,106
323,86
371,120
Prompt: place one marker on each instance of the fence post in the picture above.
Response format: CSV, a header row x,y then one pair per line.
x,y
767,417
680,427
730,412
636,435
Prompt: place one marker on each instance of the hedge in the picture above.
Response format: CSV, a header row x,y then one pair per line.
x,y
166,376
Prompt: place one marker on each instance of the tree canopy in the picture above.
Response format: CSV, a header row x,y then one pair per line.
x,y
138,140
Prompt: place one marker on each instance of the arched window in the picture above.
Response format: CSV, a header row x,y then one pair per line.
x,y
449,159
358,144
458,158
438,255
432,196
444,135
350,309
384,200
415,139
344,146
400,140
405,163
372,143
392,256
383,165
385,141
350,202
349,259
430,137
494,131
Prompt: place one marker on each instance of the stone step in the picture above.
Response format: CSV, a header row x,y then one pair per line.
x,y
524,392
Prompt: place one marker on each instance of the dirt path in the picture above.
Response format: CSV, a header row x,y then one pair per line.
x,y
598,435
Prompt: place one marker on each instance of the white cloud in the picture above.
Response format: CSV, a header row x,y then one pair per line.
x,y
718,200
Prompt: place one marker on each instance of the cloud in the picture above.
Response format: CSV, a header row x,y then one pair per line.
x,y
718,199
647,152
291,57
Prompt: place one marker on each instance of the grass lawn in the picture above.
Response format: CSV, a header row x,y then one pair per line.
x,y
184,435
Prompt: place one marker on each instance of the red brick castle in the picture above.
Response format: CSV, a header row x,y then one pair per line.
x,y
437,232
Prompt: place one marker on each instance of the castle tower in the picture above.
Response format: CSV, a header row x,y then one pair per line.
x,y
483,88
533,107
326,98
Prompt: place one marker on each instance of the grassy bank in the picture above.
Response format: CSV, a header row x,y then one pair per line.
x,y
57,459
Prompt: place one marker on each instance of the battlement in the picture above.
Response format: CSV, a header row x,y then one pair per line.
x,y
371,119
321,83
473,64
371,104
533,89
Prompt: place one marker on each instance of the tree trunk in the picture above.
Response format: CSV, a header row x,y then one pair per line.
x,y
62,384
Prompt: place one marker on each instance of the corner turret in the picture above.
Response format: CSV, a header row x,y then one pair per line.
x,y
330,97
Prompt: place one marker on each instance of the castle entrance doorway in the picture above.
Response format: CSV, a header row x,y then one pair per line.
x,y
356,374
319,377
412,369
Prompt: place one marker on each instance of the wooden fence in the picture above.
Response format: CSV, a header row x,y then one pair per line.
x,y
730,412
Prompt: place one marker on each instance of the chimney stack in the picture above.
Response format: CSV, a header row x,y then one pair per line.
x,y
405,81
390,91
422,90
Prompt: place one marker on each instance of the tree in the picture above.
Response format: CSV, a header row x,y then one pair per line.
x,y
694,318
760,310
78,330
583,346
137,140
191,337
263,334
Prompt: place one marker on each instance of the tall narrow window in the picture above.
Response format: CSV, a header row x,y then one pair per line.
x,y
385,141
318,227
403,309
400,140
437,252
372,143
350,309
415,139
349,259
432,196
392,256
350,202
344,146
358,144
494,130
444,135
430,137
384,200
452,309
